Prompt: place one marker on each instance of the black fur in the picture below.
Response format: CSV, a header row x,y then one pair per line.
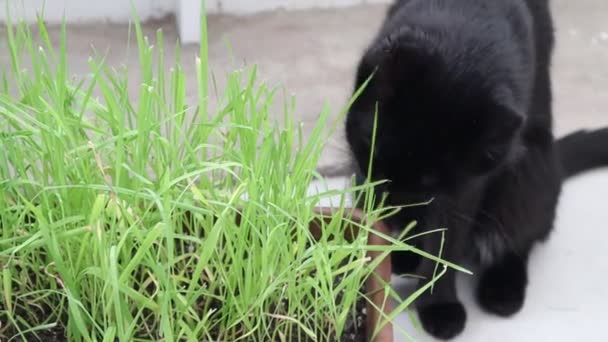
x,y
463,95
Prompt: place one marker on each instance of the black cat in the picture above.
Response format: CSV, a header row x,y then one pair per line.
x,y
463,95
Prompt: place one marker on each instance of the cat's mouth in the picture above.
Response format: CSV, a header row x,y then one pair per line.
x,y
409,198
402,195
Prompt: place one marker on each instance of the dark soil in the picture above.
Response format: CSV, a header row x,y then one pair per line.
x,y
56,334
53,335
355,331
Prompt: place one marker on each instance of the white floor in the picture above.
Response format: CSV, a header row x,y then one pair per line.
x,y
568,294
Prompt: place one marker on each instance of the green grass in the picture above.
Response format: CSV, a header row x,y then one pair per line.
x,y
118,217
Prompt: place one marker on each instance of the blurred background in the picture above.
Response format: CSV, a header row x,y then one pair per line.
x,y
311,48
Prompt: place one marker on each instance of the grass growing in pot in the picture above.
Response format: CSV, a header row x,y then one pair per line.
x,y
118,217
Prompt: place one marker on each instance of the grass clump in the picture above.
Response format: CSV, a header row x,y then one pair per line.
x,y
119,218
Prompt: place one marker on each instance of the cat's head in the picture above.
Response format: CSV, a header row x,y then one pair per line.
x,y
441,124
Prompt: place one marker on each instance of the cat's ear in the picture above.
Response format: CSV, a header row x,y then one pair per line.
x,y
403,54
406,61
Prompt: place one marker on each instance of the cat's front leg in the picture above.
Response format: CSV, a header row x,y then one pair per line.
x,y
440,311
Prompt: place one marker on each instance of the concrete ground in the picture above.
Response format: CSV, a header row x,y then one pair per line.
x,y
314,53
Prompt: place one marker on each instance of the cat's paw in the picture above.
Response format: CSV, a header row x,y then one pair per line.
x,y
443,320
502,291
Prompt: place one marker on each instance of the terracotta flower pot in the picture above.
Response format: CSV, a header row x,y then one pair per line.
x,y
373,285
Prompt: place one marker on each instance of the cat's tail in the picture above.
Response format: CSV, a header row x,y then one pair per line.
x,y
583,150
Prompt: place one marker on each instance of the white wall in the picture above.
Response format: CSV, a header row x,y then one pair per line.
x,y
187,11
86,10
188,20
120,10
